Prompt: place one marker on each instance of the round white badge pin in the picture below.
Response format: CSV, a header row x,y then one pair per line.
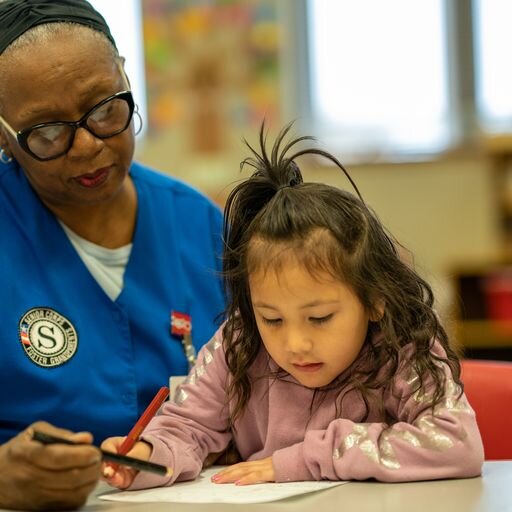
x,y
48,338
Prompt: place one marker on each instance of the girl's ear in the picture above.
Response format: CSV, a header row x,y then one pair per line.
x,y
377,311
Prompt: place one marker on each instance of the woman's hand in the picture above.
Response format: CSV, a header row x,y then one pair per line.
x,y
123,476
245,473
35,476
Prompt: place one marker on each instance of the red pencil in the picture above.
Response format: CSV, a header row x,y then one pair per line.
x,y
142,422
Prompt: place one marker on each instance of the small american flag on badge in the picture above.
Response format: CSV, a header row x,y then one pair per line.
x,y
181,323
24,334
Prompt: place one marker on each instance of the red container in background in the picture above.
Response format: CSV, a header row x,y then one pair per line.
x,y
498,295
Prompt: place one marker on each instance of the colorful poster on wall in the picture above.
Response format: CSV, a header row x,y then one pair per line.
x,y
212,68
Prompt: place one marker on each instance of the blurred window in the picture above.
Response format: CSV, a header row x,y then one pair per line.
x,y
404,79
493,42
378,75
124,18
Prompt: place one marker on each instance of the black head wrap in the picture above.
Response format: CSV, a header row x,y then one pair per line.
x,y
18,16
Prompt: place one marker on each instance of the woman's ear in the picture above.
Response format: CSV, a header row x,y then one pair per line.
x,y
4,145
121,65
377,311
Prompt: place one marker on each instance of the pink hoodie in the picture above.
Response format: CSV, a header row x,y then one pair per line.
x,y
277,422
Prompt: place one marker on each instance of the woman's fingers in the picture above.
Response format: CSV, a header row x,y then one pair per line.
x,y
56,476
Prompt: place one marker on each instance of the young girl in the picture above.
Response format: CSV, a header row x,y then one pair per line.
x,y
332,363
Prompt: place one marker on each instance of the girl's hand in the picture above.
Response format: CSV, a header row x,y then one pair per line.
x,y
123,476
245,473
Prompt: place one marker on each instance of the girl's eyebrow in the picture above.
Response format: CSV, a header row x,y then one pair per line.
x,y
304,306
263,305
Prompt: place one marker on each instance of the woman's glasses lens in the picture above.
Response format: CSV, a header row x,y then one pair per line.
x,y
108,118
47,141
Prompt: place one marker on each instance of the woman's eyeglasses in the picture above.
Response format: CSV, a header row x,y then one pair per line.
x,y
47,141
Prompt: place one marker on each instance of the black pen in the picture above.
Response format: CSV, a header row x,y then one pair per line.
x,y
141,465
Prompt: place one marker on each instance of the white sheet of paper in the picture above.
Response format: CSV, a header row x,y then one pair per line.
x,y
203,490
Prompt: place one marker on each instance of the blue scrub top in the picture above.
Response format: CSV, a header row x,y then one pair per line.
x,y
71,355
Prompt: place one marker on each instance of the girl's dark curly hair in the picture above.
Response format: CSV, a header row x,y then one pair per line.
x,y
327,230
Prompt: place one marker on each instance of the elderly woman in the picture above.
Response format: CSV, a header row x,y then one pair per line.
x,y
99,254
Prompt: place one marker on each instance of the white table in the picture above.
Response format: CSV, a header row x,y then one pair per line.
x,y
490,493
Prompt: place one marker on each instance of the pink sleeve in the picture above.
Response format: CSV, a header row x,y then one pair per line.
x,y
421,445
187,430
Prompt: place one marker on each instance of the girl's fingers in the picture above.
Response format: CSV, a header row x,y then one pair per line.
x,y
247,473
225,477
111,444
121,478
239,477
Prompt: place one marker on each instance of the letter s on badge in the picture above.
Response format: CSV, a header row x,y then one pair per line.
x,y
48,338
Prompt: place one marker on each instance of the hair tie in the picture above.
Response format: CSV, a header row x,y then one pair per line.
x,y
288,185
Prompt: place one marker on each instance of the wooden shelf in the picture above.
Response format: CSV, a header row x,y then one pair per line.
x,y
483,314
498,144
484,334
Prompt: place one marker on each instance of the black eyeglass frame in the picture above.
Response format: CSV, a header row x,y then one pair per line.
x,y
23,135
